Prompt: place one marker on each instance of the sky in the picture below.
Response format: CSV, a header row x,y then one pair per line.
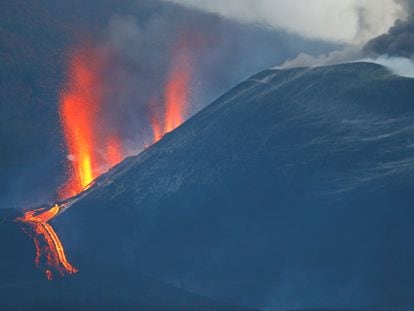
x,y
367,29
350,21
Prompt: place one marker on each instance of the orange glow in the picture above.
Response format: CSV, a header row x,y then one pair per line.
x,y
176,94
114,153
156,129
49,250
78,110
92,147
156,126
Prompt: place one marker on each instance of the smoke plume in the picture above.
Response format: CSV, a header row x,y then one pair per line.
x,y
398,41
351,21
369,30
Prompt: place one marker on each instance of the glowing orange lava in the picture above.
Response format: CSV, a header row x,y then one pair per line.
x,y
156,129
156,124
50,254
92,147
78,110
114,153
176,94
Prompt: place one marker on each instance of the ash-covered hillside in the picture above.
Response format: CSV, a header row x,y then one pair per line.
x,y
292,190
100,286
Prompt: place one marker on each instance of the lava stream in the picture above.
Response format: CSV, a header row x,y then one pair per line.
x,y
50,254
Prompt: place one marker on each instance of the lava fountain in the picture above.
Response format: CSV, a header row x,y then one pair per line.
x,y
176,93
91,147
79,106
177,90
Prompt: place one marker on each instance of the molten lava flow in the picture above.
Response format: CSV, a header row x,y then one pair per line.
x,y
92,148
49,250
176,94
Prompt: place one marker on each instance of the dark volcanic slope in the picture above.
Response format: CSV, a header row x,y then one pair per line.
x,y
98,287
292,190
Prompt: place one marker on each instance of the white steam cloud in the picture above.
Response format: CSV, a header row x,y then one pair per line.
x,y
347,21
398,65
347,54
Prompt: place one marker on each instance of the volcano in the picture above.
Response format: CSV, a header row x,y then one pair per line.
x,y
295,183
292,190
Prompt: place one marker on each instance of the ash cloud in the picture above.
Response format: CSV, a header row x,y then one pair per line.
x,y
393,49
360,31
351,21
399,40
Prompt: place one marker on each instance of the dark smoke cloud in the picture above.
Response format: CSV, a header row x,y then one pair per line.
x,y
408,5
393,49
399,40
